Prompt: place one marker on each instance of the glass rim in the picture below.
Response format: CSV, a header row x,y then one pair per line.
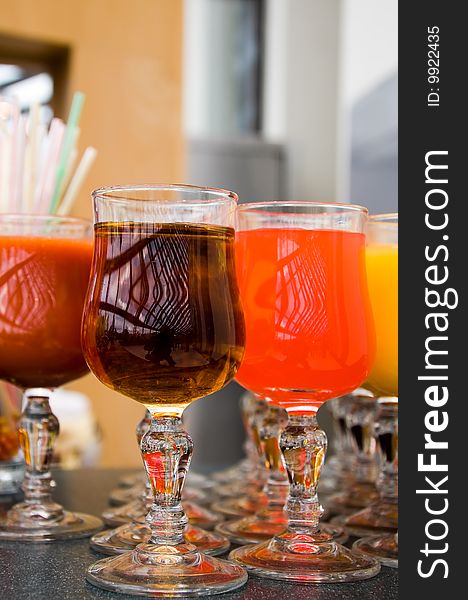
x,y
31,217
387,218
345,208
220,195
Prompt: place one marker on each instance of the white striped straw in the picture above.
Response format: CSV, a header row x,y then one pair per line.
x,y
47,176
87,160
30,158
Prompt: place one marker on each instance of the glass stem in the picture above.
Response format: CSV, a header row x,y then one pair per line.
x,y
38,429
359,420
304,446
142,427
269,426
386,436
167,450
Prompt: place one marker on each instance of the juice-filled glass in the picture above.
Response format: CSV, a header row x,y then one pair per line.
x,y
381,517
382,275
44,270
163,325
309,338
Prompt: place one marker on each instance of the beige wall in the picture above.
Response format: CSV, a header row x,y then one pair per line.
x,y
126,57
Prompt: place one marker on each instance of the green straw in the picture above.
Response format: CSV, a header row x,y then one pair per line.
x,y
73,119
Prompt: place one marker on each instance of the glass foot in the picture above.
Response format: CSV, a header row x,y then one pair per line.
x,y
239,488
133,511
252,530
234,473
68,526
357,496
305,559
127,537
375,520
138,509
166,571
199,481
239,507
121,496
201,516
381,547
131,480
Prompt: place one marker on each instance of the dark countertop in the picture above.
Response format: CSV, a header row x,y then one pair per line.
x,y
56,570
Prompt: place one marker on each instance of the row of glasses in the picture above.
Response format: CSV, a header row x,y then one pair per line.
x,y
163,325
337,469
269,517
357,416
243,496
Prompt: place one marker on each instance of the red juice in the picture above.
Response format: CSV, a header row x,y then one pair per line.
x,y
43,283
309,331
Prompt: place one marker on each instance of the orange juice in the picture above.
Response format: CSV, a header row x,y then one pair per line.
x,y
309,334
382,274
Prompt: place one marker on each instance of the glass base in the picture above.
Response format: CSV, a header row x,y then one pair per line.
x,y
68,526
199,481
193,479
234,473
201,516
127,537
138,509
121,496
166,571
377,519
255,529
357,496
131,480
239,488
239,507
381,547
305,559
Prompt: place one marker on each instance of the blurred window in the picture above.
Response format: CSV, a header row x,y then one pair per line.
x,y
27,85
223,61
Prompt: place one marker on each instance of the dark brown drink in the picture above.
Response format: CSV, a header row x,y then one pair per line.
x,y
163,323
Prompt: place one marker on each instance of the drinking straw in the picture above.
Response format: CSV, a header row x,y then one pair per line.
x,y
18,165
72,123
4,169
14,118
30,158
57,133
51,158
71,163
8,114
85,164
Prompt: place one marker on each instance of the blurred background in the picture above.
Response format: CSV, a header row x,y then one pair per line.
x,y
273,99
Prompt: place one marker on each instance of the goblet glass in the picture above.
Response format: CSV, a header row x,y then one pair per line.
x,y
44,270
382,273
163,325
309,338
